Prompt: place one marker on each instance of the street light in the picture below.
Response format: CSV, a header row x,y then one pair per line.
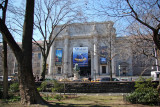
x,y
119,67
95,74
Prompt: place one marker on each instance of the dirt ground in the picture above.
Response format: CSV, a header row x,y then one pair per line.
x,y
81,101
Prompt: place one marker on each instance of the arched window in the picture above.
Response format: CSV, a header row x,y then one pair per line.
x,y
124,68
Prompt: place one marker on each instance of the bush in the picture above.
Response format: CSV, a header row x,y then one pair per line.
x,y
13,98
14,87
57,86
43,86
58,97
48,97
145,93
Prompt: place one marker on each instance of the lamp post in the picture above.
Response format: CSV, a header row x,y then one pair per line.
x,y
95,74
119,67
156,59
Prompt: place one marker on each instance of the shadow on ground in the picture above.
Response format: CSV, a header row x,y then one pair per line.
x,y
74,105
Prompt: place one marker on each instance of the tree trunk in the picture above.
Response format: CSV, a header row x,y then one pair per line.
x,y
44,68
28,90
110,70
5,67
5,71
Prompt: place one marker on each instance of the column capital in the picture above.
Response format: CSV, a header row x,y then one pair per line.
x,y
94,31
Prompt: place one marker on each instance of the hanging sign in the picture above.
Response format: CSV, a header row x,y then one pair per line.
x,y
58,56
80,56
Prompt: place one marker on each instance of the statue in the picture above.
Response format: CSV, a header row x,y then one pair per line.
x,y
76,71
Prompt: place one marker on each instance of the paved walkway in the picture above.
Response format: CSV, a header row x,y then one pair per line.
x,y
102,94
90,94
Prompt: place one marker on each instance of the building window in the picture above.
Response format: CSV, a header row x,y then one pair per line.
x,y
124,68
39,55
59,70
103,69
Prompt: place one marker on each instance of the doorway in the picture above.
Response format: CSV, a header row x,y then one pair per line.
x,y
86,71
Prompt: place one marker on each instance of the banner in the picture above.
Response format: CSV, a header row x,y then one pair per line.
x,y
80,56
103,55
58,56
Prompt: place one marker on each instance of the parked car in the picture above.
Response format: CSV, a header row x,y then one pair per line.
x,y
104,79
9,78
78,80
1,78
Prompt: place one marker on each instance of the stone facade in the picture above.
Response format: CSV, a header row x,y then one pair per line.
x,y
119,54
92,35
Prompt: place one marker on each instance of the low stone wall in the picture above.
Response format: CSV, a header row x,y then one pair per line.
x,y
99,87
95,87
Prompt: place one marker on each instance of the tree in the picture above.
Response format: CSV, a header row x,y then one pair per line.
x,y
28,91
49,14
5,70
147,15
145,12
143,49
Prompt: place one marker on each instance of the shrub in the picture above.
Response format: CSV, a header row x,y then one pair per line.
x,y
58,97
14,87
48,97
43,86
57,86
13,98
145,93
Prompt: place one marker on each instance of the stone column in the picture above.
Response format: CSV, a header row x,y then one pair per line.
x,y
65,62
95,53
113,61
112,40
52,60
95,56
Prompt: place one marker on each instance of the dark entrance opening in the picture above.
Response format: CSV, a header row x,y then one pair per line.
x,y
103,69
86,71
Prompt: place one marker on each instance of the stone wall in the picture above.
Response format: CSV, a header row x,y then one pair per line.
x,y
100,87
97,87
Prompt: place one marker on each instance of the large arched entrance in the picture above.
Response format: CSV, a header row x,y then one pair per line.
x,y
85,71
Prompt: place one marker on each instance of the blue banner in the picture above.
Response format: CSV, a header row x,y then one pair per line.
x,y
103,60
103,55
80,56
58,56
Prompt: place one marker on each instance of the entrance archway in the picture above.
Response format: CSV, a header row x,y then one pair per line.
x,y
86,70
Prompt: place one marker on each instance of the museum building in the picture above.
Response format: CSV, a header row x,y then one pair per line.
x,y
94,47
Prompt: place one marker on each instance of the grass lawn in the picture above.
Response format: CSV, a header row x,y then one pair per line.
x,y
82,101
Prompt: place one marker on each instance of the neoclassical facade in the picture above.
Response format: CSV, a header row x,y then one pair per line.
x,y
97,38
95,48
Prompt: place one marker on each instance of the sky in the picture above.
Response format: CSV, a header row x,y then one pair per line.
x,y
86,6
